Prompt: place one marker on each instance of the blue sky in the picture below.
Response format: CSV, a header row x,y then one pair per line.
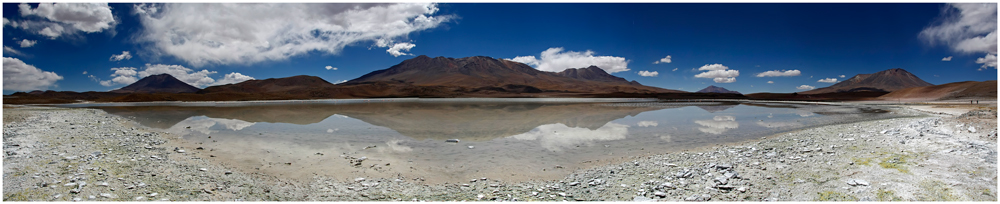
x,y
50,46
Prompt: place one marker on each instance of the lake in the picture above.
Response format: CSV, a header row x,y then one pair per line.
x,y
510,141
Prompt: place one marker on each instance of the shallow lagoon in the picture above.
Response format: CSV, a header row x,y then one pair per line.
x,y
510,141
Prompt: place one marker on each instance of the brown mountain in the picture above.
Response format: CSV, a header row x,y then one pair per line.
x,y
957,90
489,73
160,83
287,84
716,89
884,81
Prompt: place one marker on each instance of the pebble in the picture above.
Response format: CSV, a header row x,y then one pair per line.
x,y
642,199
359,179
470,147
107,195
660,194
140,198
452,140
153,194
742,189
90,197
69,184
574,183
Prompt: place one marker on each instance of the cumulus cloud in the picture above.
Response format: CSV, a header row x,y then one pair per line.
x,y
770,82
555,60
330,68
648,73
946,59
84,72
842,76
232,78
675,69
965,27
28,43
19,76
128,75
828,80
718,73
805,87
66,18
124,56
664,60
990,60
648,123
782,73
396,49
268,32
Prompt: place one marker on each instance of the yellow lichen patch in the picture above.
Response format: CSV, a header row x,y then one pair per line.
x,y
886,195
834,196
896,161
936,191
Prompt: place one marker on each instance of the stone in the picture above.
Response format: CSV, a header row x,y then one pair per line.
x,y
861,182
471,147
153,194
660,194
202,169
452,140
180,151
108,195
972,129
742,189
90,197
574,183
228,172
562,194
642,199
140,198
359,179
69,184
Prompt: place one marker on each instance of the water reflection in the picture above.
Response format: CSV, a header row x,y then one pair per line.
x,y
510,141
557,136
718,125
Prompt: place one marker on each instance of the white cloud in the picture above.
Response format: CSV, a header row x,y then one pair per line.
x,y
805,87
232,78
5,21
19,76
128,75
770,82
718,73
67,18
675,69
12,51
842,76
713,67
28,43
84,72
966,28
990,60
124,56
664,60
946,59
648,123
330,68
396,49
828,80
555,60
341,81
648,73
268,32
782,73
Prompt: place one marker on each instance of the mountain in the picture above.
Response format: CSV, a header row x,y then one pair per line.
x,y
883,81
716,89
287,84
481,72
957,90
160,83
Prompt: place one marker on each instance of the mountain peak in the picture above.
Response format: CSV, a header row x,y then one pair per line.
x,y
884,81
716,89
160,83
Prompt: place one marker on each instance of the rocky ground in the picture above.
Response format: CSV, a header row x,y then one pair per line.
x,y
56,154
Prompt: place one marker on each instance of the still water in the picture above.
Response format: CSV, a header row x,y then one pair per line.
x,y
510,141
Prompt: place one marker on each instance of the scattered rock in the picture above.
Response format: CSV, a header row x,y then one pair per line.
x,y
452,140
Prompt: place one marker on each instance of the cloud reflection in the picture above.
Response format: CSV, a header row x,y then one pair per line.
x,y
718,124
648,123
557,136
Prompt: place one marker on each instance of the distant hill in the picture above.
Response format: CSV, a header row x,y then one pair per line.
x,y
160,83
949,91
497,74
287,84
883,81
716,89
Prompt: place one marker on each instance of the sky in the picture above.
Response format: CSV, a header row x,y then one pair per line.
x,y
750,48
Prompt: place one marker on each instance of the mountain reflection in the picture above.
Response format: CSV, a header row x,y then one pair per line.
x,y
421,121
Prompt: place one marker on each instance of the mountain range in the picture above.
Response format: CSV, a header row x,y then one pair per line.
x,y
479,76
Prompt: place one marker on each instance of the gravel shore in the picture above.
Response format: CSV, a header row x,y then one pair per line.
x,y
60,154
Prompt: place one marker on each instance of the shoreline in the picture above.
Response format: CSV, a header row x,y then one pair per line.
x,y
112,158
